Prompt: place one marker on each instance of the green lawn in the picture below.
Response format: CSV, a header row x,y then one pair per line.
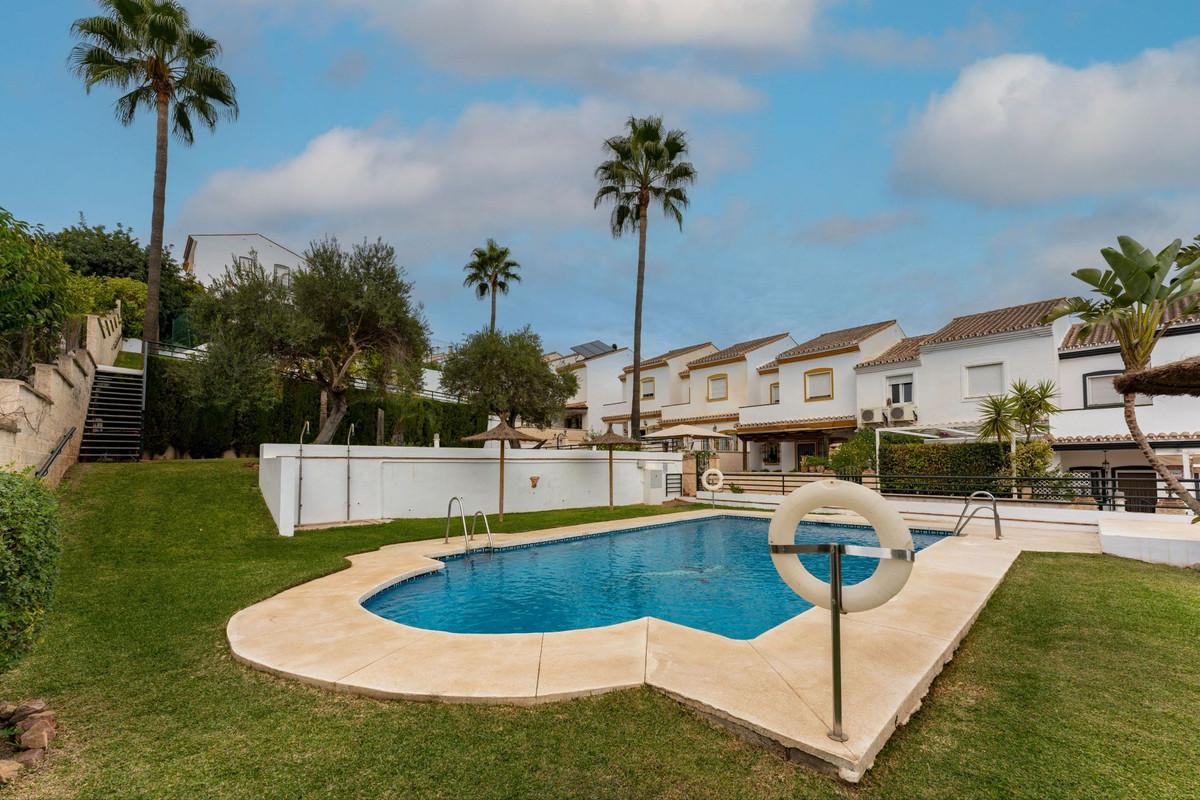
x,y
128,360
1081,679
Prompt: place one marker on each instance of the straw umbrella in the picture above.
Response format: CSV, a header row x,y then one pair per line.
x,y
1176,378
611,440
501,433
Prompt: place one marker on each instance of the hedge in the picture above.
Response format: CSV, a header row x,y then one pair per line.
x,y
29,549
976,461
175,418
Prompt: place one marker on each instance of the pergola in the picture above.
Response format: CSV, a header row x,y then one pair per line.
x,y
940,433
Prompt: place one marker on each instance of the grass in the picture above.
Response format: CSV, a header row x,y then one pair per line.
x,y
1080,679
128,360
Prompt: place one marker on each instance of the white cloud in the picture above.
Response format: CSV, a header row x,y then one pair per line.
x,y
494,168
1019,128
850,229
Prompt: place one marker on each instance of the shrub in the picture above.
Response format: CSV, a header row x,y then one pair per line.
x,y
975,463
33,303
96,294
735,489
29,548
1033,459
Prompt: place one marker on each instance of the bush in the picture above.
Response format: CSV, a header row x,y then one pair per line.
x,y
29,548
33,303
176,416
1033,459
95,294
976,463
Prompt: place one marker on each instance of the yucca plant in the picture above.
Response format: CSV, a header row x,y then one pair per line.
x,y
645,165
149,50
1137,297
997,419
1033,405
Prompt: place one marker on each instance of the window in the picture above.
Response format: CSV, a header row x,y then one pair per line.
x,y
647,388
818,384
1099,392
718,387
283,274
245,261
984,379
900,388
773,393
770,452
574,422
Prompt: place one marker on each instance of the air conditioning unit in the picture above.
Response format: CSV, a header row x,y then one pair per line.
x,y
902,412
869,416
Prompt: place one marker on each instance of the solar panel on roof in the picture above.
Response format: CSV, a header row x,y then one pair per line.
x,y
592,348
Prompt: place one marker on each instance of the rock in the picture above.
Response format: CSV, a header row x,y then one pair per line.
x,y
45,716
27,758
8,771
38,735
26,709
6,711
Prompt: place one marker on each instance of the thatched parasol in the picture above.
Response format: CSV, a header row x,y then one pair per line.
x,y
501,433
1175,378
611,440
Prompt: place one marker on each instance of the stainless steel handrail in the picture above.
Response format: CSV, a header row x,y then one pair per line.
x,y
44,469
462,514
475,518
985,497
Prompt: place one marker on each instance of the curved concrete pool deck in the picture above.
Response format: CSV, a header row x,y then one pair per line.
x,y
774,689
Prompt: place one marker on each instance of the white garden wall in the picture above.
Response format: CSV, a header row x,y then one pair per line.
x,y
397,482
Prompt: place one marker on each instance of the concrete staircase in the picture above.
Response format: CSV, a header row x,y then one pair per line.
x,y
113,428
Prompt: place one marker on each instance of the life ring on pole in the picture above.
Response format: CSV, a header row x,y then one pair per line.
x,y
712,472
891,574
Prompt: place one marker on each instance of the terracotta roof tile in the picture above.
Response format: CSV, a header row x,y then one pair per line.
x,y
738,350
809,422
727,417
770,365
988,323
661,360
1102,335
834,340
1173,436
907,349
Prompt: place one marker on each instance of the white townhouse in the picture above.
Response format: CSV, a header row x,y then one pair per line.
x,y
663,382
597,368
1090,435
206,255
807,397
707,385
939,379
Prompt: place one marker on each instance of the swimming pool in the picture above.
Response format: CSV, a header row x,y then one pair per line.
x,y
714,574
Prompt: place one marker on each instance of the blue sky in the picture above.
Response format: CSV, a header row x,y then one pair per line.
x,y
858,160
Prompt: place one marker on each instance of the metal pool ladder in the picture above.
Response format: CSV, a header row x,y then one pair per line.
x,y
467,536
986,501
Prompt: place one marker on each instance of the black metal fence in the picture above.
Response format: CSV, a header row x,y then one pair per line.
x,y
674,484
1138,491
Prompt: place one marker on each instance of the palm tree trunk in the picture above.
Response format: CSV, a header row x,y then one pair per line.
x,y
154,257
492,324
1148,452
635,409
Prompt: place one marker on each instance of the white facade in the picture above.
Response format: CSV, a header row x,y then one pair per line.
x,y
599,386
206,255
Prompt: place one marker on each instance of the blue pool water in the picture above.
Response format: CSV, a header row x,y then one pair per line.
x,y
713,574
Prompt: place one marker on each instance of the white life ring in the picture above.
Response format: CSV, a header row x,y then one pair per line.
x,y
712,472
891,574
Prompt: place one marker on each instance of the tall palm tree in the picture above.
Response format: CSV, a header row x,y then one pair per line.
x,y
643,166
149,50
1137,297
491,271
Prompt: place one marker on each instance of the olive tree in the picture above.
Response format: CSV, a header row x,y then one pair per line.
x,y
348,317
504,374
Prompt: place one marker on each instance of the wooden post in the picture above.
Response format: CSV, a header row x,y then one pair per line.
x,y
745,455
378,426
610,478
502,480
